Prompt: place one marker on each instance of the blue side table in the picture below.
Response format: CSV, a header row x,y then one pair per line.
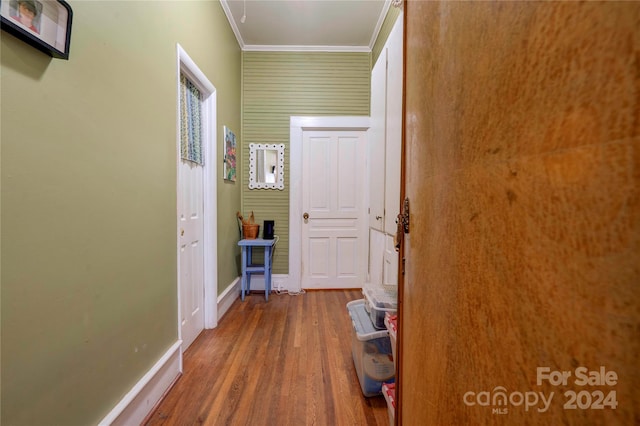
x,y
249,268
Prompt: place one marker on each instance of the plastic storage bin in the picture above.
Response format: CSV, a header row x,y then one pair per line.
x,y
389,393
377,303
371,350
391,322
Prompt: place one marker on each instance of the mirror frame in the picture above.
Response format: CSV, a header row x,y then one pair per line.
x,y
253,183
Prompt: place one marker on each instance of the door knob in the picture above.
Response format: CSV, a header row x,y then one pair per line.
x,y
305,216
182,232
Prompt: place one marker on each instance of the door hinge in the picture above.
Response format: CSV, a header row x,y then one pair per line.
x,y
403,224
405,215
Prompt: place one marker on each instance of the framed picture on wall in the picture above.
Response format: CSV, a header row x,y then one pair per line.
x,y
229,168
44,24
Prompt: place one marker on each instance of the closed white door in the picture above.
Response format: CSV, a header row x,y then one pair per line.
x,y
191,210
334,222
393,128
376,142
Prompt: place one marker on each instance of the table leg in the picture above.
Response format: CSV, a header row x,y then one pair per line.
x,y
244,272
267,272
249,262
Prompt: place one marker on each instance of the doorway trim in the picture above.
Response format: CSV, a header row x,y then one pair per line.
x,y
298,125
209,109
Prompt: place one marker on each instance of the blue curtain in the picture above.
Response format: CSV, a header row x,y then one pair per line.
x,y
190,121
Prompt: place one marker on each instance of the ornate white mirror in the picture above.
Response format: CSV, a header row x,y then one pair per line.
x,y
266,166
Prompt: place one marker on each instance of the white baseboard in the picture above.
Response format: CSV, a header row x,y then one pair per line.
x,y
228,296
281,282
278,282
232,292
144,396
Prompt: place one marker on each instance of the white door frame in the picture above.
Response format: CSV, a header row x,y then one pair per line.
x,y
297,126
186,65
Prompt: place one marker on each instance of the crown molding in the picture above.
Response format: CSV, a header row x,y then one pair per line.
x,y
286,48
232,23
376,31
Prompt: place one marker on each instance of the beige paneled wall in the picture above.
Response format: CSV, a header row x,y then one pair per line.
x,y
277,85
523,170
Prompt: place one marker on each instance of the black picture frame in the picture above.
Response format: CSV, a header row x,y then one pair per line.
x,y
44,24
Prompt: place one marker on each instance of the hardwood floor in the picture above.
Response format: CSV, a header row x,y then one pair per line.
x,y
286,362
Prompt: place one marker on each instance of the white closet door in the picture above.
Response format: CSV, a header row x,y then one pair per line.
x,y
393,127
376,142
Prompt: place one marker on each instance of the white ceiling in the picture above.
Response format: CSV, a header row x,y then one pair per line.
x,y
306,25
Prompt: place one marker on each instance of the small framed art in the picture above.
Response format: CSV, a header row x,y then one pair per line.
x,y
44,24
229,155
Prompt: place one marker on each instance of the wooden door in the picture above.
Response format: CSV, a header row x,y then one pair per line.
x,y
334,221
524,213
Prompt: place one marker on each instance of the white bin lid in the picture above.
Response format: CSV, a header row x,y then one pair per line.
x,y
362,322
380,299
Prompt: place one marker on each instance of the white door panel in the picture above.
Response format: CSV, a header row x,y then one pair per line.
x,y
348,172
376,256
319,178
390,262
191,251
334,235
319,251
393,128
347,257
376,142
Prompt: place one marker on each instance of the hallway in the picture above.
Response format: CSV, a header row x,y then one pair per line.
x,y
285,362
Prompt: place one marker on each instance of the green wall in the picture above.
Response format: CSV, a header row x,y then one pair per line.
x,y
277,85
88,202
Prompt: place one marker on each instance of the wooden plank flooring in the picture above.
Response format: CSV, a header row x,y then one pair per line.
x,y
286,362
